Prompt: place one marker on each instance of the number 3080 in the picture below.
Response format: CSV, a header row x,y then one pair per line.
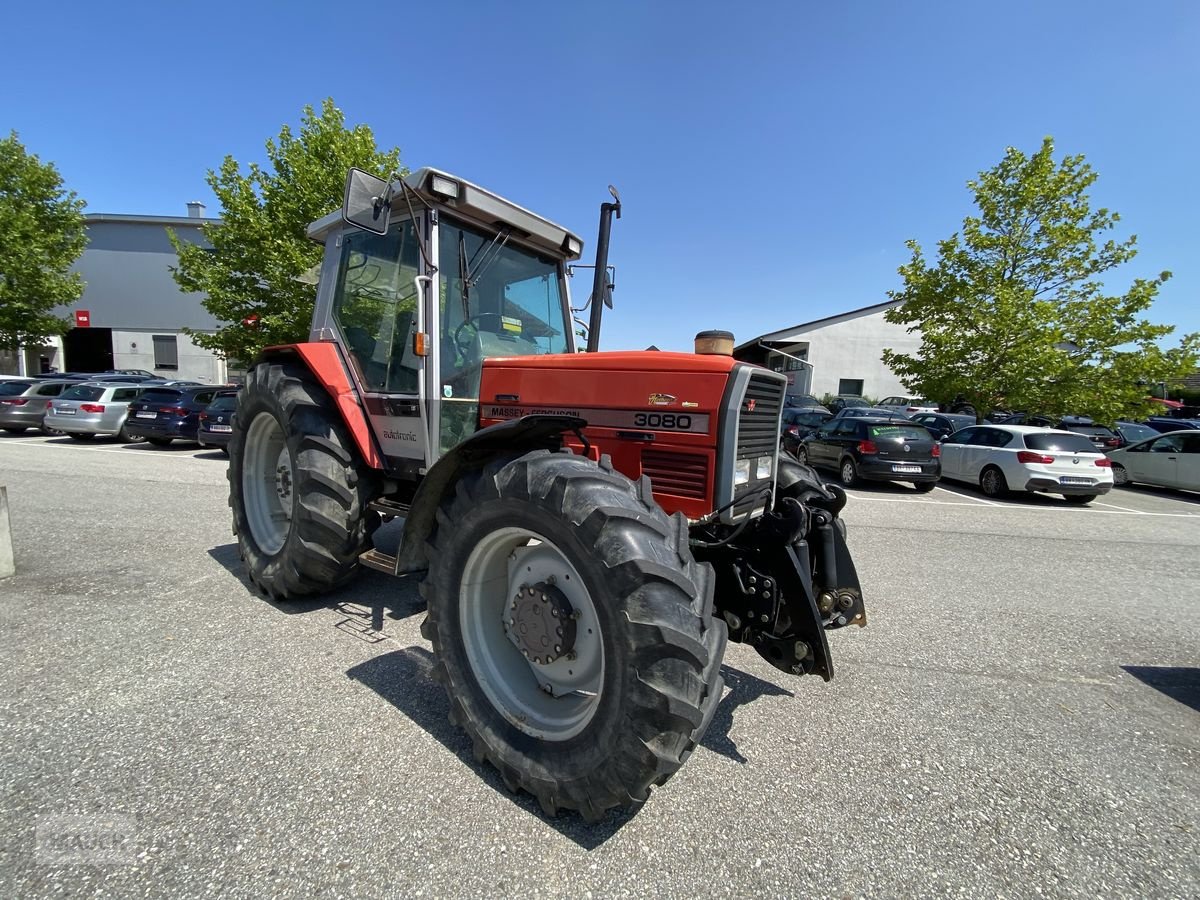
x,y
662,420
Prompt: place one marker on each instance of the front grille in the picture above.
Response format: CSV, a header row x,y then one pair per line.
x,y
757,400
677,474
758,428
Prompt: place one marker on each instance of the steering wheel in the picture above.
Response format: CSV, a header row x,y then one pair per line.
x,y
469,348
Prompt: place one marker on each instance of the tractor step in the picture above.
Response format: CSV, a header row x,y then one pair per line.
x,y
378,560
390,508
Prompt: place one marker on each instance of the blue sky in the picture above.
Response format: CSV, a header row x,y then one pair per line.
x,y
772,157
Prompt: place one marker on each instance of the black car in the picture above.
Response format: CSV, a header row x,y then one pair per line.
x,y
216,422
798,422
1024,418
843,401
871,412
164,414
874,449
1102,438
805,401
1163,424
942,425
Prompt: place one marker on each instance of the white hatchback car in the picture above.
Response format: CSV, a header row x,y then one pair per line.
x,y
1169,460
1003,458
908,405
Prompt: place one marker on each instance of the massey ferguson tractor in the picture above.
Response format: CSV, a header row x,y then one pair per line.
x,y
589,529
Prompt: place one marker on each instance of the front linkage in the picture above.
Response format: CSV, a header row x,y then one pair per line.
x,y
785,577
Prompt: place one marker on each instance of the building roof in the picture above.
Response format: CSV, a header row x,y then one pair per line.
x,y
195,221
784,333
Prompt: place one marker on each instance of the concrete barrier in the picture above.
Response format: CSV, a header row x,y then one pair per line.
x,y
7,564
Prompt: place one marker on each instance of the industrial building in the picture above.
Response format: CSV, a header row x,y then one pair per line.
x,y
839,354
132,313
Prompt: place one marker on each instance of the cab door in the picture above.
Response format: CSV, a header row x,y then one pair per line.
x,y
378,308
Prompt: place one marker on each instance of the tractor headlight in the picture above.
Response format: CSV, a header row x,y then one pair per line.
x,y
741,472
445,187
763,470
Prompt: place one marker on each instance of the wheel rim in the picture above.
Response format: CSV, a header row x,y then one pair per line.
x,y
991,482
268,482
848,472
802,455
1120,476
552,700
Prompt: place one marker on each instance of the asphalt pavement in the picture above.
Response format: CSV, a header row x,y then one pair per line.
x,y
1021,717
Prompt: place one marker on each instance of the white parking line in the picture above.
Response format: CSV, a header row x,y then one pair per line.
x,y
1113,506
967,497
1068,509
110,449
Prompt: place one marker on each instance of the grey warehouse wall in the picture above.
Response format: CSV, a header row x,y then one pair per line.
x,y
126,267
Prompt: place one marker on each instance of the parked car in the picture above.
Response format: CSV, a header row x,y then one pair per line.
x,y
874,449
843,401
1132,432
139,372
1024,418
850,412
941,425
907,404
164,414
216,421
1000,458
23,402
1168,460
798,422
1164,424
1102,438
87,409
806,401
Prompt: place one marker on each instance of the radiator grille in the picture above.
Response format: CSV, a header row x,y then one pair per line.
x,y
758,432
678,474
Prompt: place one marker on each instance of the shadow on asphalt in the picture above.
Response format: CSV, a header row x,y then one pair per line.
x,y
364,601
402,679
1181,683
1153,491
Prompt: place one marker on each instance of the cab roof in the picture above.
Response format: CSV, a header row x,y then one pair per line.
x,y
478,205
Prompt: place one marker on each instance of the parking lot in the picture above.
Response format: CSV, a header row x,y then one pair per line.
x,y
1021,716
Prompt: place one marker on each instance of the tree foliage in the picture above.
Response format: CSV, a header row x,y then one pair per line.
x,y
41,235
257,274
1015,313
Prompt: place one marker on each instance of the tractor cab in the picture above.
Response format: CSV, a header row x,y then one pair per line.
x,y
422,280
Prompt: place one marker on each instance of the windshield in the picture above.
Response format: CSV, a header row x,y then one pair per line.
x,y
498,299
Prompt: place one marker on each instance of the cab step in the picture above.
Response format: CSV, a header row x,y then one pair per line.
x,y
391,509
378,560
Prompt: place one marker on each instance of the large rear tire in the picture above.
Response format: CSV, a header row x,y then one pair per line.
x,y
593,722
298,489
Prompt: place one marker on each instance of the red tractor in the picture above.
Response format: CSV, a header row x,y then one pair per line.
x,y
589,529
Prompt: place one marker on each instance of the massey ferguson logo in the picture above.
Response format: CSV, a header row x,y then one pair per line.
x,y
750,405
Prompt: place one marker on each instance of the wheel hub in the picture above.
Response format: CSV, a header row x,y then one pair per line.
x,y
283,476
541,623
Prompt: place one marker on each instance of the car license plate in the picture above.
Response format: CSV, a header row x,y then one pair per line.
x,y
220,428
1073,479
64,412
147,415
908,470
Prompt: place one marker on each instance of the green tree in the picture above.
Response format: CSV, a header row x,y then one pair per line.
x,y
257,274
41,235
1015,314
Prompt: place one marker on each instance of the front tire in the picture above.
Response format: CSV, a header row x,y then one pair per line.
x,y
1120,474
16,430
298,489
159,442
801,454
591,723
924,487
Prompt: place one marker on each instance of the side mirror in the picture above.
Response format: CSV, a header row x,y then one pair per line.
x,y
367,203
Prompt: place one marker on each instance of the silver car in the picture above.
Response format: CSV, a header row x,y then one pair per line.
x,y
86,410
23,402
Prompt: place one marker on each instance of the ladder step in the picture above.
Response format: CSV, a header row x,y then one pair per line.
x,y
378,560
390,508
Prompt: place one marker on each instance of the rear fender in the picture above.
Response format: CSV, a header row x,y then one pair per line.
x,y
328,366
511,438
